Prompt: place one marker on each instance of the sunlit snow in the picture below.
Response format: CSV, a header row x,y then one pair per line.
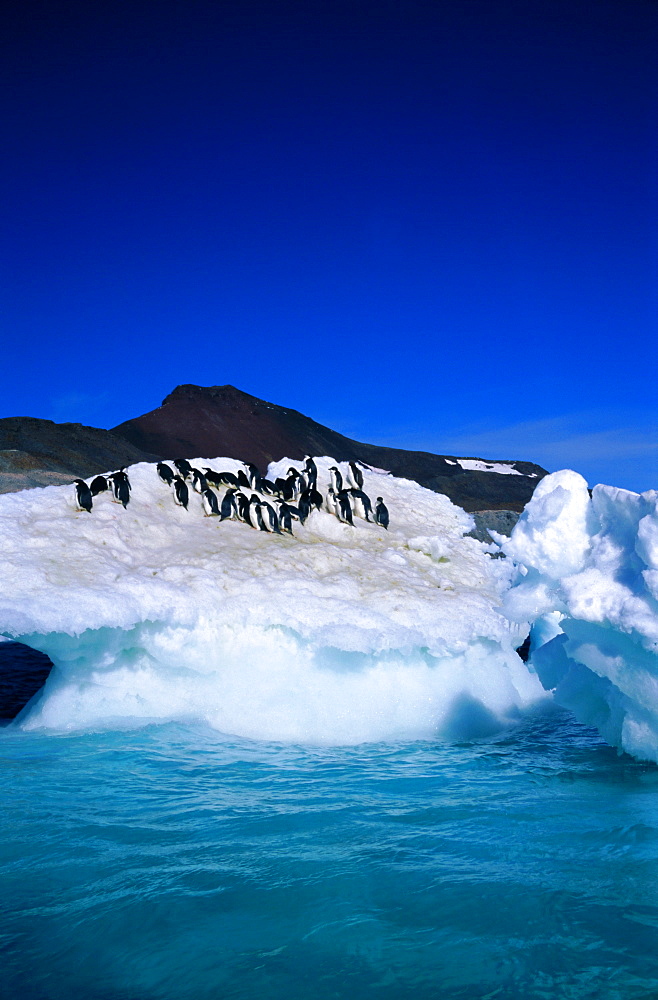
x,y
339,634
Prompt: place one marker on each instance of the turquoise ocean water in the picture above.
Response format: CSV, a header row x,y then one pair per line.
x,y
170,862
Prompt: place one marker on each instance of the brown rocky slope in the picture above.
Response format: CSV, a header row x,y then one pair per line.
x,y
222,420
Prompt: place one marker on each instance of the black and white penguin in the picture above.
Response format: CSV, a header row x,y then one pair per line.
x,y
254,516
242,507
253,474
331,501
264,485
336,479
183,466
344,507
181,492
381,513
242,480
222,478
120,487
83,495
362,504
99,485
355,476
286,514
229,508
210,504
199,481
304,506
311,471
270,518
165,473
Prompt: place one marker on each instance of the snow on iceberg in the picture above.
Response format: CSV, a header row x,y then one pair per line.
x,y
588,580
340,634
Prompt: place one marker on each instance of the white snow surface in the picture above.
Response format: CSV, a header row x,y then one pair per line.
x,y
478,465
588,580
338,635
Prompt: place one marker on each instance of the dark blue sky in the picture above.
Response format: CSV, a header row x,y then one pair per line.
x,y
427,224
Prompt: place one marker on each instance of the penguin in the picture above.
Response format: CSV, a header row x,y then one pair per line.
x,y
256,514
221,478
381,513
210,504
270,517
311,470
229,509
331,502
120,487
304,507
99,485
184,467
362,504
336,479
344,508
355,476
83,495
165,473
310,498
199,481
253,474
181,492
122,491
242,507
264,485
242,480
286,514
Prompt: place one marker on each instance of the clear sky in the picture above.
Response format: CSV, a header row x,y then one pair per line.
x,y
426,224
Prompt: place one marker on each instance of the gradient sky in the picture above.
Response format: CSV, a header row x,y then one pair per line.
x,y
426,224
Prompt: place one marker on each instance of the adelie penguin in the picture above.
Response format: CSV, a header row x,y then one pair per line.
x,y
228,509
165,473
311,471
120,487
181,492
381,513
344,508
336,479
270,518
286,514
183,466
355,476
199,481
83,496
362,504
99,485
210,504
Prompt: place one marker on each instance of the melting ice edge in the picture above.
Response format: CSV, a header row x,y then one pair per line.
x,y
341,634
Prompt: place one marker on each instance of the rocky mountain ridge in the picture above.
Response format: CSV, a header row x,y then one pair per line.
x,y
197,421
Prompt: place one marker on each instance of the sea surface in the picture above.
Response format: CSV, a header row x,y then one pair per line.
x,y
171,862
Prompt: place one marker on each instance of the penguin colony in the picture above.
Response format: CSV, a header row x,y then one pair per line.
x,y
252,498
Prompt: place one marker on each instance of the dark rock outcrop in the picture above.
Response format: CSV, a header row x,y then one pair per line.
x,y
222,420
501,521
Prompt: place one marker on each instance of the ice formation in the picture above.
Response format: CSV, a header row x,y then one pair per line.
x,y
339,634
588,581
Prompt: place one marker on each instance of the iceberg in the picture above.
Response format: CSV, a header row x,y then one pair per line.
x,y
587,581
339,634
